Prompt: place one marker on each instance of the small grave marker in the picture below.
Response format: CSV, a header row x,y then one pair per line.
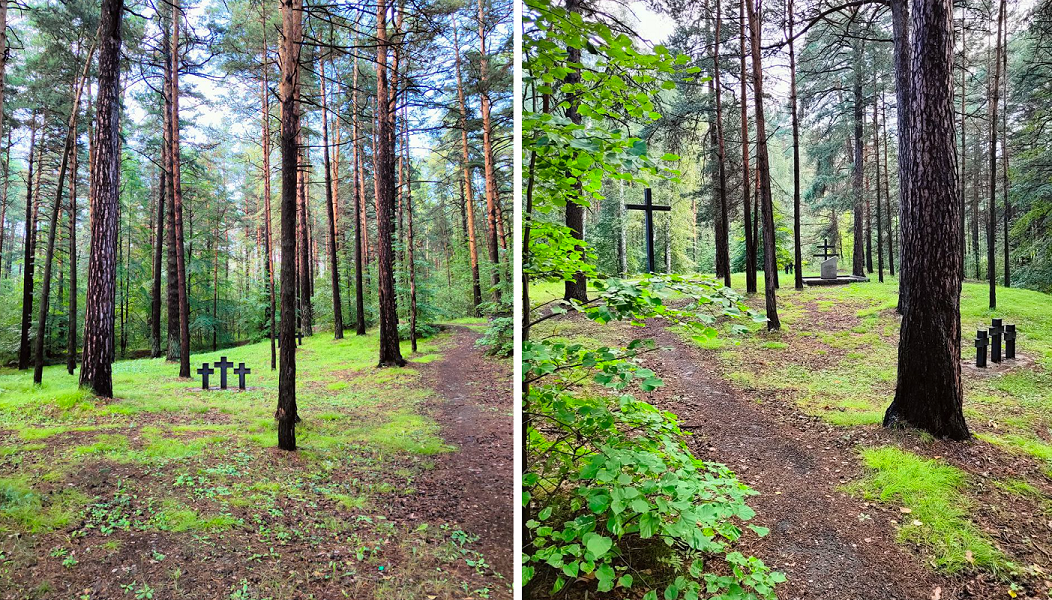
x,y
241,371
829,259
981,342
1010,341
223,365
204,372
996,329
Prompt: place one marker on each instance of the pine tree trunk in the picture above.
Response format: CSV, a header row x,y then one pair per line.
x,y
286,414
359,212
27,264
56,210
409,241
95,372
770,264
723,252
492,198
330,199
1007,208
750,237
158,260
390,352
900,26
991,231
876,181
887,184
857,256
928,392
71,349
268,238
576,288
174,158
798,261
469,202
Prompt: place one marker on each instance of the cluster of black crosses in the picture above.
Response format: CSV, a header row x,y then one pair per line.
x,y
223,365
992,339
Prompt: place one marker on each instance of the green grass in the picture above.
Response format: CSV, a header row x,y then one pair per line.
x,y
938,521
165,464
838,352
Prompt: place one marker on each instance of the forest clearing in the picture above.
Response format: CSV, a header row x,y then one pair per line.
x,y
170,491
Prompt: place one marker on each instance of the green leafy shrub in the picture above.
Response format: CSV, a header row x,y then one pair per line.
x,y
607,472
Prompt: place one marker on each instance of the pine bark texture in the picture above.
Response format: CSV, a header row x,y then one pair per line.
x,y
177,199
763,170
292,32
390,352
95,372
928,392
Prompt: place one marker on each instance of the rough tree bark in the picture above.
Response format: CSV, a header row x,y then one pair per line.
x,y
95,371
28,260
763,169
991,231
576,288
390,352
750,238
798,260
158,260
857,253
900,27
177,198
723,253
887,184
292,34
876,180
359,211
71,349
928,392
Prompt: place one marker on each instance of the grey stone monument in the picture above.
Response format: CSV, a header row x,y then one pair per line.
x,y
829,268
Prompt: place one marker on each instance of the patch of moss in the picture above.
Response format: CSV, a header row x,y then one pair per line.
x,y
938,520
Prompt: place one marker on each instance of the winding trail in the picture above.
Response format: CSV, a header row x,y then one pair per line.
x,y
472,486
829,545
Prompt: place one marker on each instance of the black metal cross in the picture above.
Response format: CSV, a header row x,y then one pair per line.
x,y
648,209
825,248
223,365
204,372
241,371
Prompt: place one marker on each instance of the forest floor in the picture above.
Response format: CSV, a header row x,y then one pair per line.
x,y
855,511
401,486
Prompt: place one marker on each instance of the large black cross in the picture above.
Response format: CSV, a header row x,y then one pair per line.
x,y
223,365
241,371
204,372
648,209
825,248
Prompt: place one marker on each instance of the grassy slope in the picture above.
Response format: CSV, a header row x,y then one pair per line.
x,y
194,465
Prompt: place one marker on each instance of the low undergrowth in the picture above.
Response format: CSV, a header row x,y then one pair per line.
x,y
614,500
